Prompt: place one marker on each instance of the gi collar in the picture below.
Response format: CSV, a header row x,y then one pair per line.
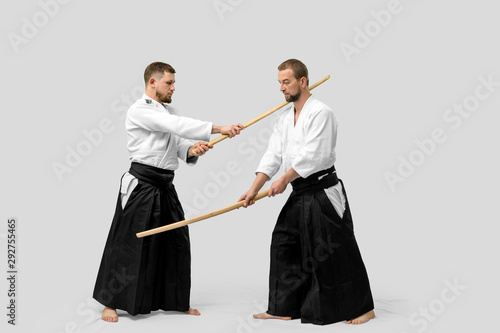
x,y
151,101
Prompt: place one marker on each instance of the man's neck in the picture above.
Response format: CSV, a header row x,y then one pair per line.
x,y
298,105
152,95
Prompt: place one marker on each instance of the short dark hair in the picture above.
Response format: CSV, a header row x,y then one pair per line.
x,y
298,68
155,68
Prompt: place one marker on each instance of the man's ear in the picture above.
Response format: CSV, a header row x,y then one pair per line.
x,y
152,82
303,82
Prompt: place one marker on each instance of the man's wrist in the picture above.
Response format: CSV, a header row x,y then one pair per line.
x,y
190,152
285,179
215,129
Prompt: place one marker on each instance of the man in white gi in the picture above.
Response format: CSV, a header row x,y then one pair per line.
x,y
316,272
152,273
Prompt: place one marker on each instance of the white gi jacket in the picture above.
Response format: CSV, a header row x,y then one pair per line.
x,y
307,147
157,136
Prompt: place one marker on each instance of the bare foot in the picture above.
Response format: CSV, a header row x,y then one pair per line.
x,y
109,315
362,319
193,312
265,315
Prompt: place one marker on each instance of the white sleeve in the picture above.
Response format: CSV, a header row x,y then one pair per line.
x,y
271,161
182,151
157,120
319,144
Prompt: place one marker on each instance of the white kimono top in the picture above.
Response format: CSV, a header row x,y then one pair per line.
x,y
157,136
307,147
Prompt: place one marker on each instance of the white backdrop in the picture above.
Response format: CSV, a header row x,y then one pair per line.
x,y
416,88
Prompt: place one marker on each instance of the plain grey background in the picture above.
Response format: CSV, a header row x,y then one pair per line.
x,y
70,68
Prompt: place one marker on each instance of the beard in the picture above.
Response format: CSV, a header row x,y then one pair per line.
x,y
293,98
164,98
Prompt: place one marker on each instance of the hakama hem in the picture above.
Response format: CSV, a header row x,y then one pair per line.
x,y
317,273
141,275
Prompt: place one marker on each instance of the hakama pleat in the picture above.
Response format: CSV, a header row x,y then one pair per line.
x,y
140,275
317,273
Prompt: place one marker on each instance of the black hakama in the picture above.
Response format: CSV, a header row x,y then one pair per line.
x,y
317,273
140,275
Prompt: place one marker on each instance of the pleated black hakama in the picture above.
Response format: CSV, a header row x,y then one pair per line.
x,y
317,273
140,275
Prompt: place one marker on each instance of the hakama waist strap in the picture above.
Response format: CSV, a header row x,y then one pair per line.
x,y
315,182
155,176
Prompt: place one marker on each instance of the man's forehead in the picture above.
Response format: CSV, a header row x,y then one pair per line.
x,y
167,76
285,74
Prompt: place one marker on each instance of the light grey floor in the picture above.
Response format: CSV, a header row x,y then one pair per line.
x,y
232,313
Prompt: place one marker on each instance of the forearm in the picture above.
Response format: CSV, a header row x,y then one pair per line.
x,y
259,181
290,176
280,185
229,130
216,129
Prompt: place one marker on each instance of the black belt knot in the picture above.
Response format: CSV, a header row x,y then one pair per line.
x,y
315,182
157,177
